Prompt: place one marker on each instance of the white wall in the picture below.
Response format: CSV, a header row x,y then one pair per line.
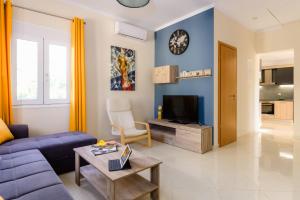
x,y
43,119
232,33
289,61
286,37
99,36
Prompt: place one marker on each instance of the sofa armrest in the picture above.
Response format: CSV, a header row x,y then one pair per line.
x,y
19,130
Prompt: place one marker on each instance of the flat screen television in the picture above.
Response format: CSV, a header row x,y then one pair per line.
x,y
180,108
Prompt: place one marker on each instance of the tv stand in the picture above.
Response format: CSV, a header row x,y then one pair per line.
x,y
193,137
179,121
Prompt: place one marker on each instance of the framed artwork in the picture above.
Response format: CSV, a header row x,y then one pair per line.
x,y
122,69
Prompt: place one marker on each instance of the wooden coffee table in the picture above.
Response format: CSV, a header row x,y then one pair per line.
x,y
124,184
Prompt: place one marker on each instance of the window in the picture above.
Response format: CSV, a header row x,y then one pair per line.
x,y
40,65
27,69
57,71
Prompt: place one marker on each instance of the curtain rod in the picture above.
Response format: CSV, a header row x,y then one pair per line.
x,y
44,13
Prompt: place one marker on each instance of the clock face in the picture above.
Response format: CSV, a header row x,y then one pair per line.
x,y
179,42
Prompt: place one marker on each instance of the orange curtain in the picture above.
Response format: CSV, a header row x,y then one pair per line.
x,y
78,85
5,83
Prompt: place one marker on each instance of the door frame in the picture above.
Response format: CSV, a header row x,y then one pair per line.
x,y
220,43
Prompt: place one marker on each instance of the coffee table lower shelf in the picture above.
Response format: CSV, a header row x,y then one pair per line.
x,y
130,187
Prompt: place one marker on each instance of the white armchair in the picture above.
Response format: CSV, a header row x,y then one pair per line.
x,y
123,124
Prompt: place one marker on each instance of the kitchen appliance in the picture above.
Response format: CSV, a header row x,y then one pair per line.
x,y
129,30
267,77
267,108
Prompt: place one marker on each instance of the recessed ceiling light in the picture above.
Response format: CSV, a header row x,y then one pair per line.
x,y
133,3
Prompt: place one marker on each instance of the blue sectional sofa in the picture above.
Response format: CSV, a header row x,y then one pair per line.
x,y
28,166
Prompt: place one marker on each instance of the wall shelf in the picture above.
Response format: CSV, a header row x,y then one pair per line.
x,y
193,77
165,74
201,73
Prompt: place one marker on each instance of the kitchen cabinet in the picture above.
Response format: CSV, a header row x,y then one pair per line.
x,y
284,110
284,76
165,74
278,76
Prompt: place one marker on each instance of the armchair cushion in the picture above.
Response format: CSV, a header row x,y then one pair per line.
x,y
123,119
132,132
5,134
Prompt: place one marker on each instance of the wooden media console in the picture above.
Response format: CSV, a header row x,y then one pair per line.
x,y
193,137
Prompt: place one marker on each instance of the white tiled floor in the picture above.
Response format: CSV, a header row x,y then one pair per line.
x,y
263,166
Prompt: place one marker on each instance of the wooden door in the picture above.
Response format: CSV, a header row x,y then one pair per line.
x,y
227,94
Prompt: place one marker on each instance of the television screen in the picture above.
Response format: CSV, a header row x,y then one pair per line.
x,y
180,109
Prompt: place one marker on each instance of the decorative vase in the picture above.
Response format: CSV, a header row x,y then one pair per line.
x,y
159,112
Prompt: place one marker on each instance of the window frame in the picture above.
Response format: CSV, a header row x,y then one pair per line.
x,y
45,36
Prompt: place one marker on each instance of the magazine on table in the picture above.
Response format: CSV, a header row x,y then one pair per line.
x,y
97,150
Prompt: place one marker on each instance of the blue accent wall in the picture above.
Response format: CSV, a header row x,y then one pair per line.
x,y
199,55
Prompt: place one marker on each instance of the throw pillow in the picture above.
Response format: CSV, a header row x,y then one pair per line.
x,y
5,134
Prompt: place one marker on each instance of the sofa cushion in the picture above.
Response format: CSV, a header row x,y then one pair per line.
x,y
28,184
5,134
57,148
21,158
54,146
19,130
21,164
25,170
49,193
27,175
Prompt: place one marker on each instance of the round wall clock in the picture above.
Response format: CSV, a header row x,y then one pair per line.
x,y
179,42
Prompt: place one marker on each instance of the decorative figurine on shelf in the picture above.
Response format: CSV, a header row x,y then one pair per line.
x,y
207,72
184,74
159,113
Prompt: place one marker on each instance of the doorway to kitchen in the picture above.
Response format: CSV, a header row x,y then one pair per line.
x,y
276,93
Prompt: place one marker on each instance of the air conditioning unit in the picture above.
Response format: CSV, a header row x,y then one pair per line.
x,y
130,31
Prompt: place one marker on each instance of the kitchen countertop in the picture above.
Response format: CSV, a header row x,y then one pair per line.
x,y
263,100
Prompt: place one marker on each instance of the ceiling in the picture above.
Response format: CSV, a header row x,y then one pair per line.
x,y
253,14
153,16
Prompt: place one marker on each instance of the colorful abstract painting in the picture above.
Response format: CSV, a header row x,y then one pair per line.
x,y
122,69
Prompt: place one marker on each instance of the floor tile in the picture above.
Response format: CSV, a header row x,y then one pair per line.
x,y
259,166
